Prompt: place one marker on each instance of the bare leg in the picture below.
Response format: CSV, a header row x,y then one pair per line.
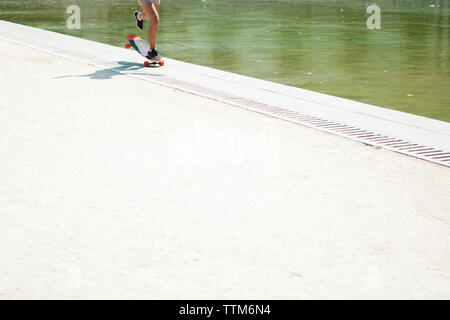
x,y
151,13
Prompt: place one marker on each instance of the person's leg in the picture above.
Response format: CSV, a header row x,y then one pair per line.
x,y
144,16
151,13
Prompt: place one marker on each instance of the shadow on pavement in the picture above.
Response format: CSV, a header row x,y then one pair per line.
x,y
124,69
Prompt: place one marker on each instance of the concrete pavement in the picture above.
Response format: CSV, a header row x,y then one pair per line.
x,y
115,187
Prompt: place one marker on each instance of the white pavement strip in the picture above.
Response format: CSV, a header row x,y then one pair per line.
x,y
409,134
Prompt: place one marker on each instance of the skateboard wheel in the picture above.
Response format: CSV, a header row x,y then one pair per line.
x,y
128,46
161,63
146,63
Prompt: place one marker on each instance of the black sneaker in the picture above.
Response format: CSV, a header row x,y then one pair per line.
x,y
153,55
139,23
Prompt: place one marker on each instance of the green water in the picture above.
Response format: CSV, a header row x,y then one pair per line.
x,y
321,45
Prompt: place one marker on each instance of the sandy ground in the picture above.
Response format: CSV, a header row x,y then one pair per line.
x,y
112,187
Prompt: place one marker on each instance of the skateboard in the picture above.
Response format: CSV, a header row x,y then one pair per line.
x,y
142,47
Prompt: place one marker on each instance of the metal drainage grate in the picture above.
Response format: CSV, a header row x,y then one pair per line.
x,y
441,157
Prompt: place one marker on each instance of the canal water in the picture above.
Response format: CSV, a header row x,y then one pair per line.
x,y
396,56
